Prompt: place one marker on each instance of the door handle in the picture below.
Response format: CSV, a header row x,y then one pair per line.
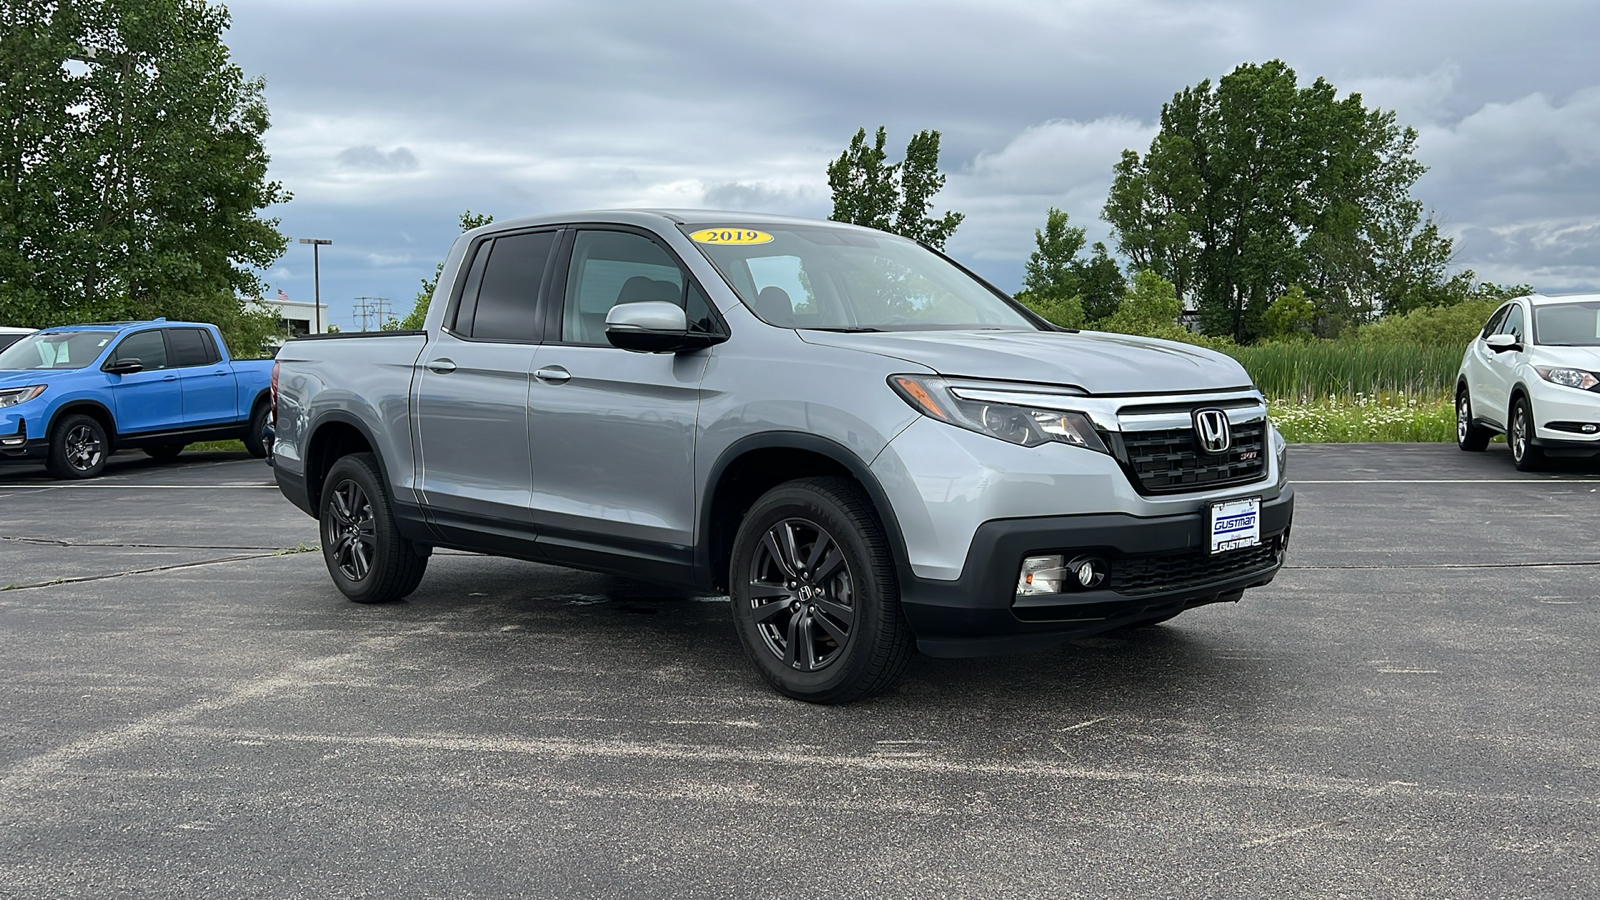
x,y
170,378
553,375
219,374
442,366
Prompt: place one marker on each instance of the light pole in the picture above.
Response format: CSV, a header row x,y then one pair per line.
x,y
316,280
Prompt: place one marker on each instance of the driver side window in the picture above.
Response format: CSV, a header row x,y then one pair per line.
x,y
148,347
1492,326
1513,323
612,267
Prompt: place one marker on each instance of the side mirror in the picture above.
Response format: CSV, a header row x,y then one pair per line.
x,y
652,326
1500,343
126,366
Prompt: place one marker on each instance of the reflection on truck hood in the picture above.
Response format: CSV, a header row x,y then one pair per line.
x,y
15,378
1099,363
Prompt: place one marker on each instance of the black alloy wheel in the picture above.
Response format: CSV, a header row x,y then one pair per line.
x,y
802,596
349,532
366,556
815,600
1527,457
78,448
1469,435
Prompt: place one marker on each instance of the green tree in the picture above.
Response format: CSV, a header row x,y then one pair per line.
x,y
1059,284
1291,317
1256,184
1452,323
1150,307
419,309
132,172
895,197
1100,283
1050,278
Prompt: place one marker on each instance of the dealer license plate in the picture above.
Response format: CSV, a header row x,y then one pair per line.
x,y
1235,524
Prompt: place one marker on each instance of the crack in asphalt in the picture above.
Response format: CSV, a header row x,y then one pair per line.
x,y
81,579
56,542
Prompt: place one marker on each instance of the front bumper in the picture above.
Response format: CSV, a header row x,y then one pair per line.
x,y
18,446
1158,566
1560,416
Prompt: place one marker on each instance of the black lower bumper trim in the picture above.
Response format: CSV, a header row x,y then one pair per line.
x,y
978,614
31,450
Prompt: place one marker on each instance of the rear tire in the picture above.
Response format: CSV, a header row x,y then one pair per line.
x,y
1519,435
1470,436
366,556
815,599
78,448
164,452
254,439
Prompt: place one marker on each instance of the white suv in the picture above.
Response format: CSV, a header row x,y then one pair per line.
x,y
1533,374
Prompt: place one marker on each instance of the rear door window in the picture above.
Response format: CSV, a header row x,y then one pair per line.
x,y
505,304
188,347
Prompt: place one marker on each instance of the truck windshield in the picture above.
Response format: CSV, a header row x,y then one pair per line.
x,y
1567,324
837,279
55,350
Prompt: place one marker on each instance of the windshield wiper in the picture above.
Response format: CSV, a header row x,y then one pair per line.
x,y
847,329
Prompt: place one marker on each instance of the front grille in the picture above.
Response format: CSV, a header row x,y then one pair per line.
x,y
1133,575
1168,461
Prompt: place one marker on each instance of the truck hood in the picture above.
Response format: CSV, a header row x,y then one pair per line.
x,y
15,378
1097,362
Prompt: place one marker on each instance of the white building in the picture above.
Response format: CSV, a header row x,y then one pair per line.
x,y
296,317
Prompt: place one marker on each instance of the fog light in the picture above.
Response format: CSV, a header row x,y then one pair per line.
x,y
1088,571
1040,575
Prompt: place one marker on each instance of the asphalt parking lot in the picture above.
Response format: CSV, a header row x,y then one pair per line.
x,y
191,709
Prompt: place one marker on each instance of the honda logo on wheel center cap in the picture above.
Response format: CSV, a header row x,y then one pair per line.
x,y
1212,431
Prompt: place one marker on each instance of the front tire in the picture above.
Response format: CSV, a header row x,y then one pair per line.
x,y
1470,436
815,599
1527,457
366,556
78,448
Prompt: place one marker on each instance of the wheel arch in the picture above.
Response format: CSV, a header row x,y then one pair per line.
x,y
753,465
92,408
334,436
1520,389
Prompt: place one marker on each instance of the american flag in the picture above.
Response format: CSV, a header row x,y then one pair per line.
x,y
282,295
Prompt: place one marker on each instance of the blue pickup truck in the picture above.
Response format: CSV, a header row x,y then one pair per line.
x,y
73,395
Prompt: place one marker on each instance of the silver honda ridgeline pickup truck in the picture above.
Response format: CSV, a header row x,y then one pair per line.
x,y
866,446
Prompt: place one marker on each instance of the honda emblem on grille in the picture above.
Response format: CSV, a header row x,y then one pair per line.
x,y
1211,430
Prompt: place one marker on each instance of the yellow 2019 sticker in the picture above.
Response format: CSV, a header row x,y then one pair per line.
x,y
730,236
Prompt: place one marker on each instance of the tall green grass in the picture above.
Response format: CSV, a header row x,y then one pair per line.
x,y
1312,372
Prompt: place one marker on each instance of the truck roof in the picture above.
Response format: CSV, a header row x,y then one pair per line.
x,y
663,217
123,326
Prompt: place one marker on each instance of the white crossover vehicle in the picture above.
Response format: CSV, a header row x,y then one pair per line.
x,y
1533,374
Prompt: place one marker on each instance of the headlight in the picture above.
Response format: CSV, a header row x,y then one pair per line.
x,y
14,396
1280,448
1572,378
1023,425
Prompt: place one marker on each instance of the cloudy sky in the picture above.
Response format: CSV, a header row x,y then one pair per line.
x,y
390,118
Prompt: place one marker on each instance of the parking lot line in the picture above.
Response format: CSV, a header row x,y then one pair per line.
x,y
1535,480
160,487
